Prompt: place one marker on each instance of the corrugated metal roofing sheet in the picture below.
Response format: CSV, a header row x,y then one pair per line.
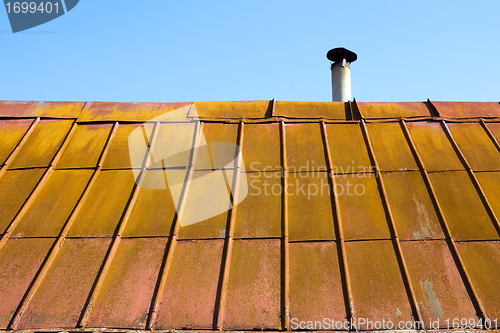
x,y
385,217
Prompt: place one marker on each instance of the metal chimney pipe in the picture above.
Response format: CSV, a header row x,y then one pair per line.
x,y
341,73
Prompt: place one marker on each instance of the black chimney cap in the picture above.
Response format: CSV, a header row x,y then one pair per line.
x,y
340,53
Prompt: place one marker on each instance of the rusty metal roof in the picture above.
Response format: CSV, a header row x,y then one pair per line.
x,y
403,226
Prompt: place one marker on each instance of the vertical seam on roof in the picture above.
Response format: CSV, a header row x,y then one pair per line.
x,y
228,246
170,249
101,275
285,267
480,191
339,231
446,230
392,227
44,268
18,147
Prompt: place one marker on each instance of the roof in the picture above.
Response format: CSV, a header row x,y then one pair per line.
x,y
391,212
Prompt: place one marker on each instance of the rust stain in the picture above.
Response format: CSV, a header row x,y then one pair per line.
x,y
245,109
112,111
40,109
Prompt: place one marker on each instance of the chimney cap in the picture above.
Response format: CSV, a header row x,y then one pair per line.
x,y
340,53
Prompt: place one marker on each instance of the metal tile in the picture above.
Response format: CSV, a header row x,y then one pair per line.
x,y
53,205
259,214
171,142
462,207
19,261
467,109
315,283
253,292
85,146
494,129
476,146
393,110
15,187
348,149
434,147
40,109
126,294
11,132
378,292
202,193
60,298
391,147
104,206
327,110
118,156
482,263
43,143
300,136
191,288
440,291
112,111
361,211
310,212
214,133
154,209
490,183
411,206
218,110
261,147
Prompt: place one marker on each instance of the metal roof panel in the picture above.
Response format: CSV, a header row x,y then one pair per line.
x,y
85,146
103,208
434,147
391,147
378,292
40,109
462,207
254,288
228,110
191,289
300,136
258,138
15,187
411,206
440,291
125,296
478,149
61,296
214,133
11,133
309,210
482,263
51,208
315,282
322,110
113,111
19,262
43,144
467,109
361,212
259,214
393,110
348,148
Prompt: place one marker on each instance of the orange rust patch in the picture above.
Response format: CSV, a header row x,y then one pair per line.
x,y
393,110
11,133
326,110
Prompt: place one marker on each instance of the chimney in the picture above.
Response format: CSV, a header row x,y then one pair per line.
x,y
341,73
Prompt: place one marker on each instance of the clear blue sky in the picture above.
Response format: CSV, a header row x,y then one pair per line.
x,y
162,50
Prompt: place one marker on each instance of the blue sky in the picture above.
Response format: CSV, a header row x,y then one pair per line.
x,y
161,50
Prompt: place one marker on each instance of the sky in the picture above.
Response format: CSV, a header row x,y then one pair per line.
x,y
184,51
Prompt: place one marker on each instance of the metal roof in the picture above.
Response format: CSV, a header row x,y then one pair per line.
x,y
84,245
